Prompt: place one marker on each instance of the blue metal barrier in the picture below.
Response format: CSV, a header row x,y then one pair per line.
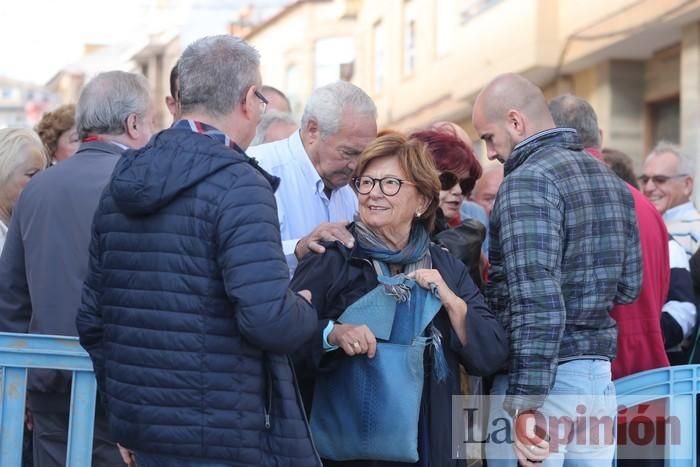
x,y
18,352
679,386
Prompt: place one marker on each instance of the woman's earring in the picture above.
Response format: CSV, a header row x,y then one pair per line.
x,y
418,215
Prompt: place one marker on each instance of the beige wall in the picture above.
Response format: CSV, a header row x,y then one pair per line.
x,y
576,15
155,64
690,97
289,40
662,74
521,36
546,40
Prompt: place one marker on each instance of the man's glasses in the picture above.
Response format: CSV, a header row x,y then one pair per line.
x,y
263,99
389,185
659,179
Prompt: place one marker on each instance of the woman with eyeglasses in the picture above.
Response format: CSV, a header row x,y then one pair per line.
x,y
397,316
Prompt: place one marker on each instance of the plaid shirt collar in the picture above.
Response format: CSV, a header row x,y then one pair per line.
x,y
524,149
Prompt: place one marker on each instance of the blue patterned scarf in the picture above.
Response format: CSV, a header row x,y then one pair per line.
x,y
415,255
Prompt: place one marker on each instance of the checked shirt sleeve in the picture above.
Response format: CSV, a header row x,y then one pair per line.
x,y
531,243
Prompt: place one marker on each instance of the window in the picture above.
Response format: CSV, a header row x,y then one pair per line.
x,y
329,56
379,52
10,93
409,37
664,119
445,13
472,8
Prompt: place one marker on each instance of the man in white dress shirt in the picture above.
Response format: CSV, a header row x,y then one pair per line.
x,y
315,200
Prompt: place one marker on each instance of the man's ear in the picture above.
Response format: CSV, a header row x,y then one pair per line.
x,y
249,103
689,182
132,128
516,123
171,103
311,131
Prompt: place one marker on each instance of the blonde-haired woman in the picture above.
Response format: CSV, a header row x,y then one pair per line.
x,y
22,155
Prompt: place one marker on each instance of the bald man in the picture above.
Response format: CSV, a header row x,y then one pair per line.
x,y
486,188
564,249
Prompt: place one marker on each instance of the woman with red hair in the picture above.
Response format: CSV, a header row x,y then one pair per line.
x,y
458,172
459,169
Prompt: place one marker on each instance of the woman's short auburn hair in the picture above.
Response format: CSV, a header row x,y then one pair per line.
x,y
416,162
451,154
53,124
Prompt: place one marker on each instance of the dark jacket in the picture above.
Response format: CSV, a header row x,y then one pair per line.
x,y
45,259
186,310
341,276
465,242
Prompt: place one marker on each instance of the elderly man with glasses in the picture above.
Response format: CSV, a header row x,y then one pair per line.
x,y
667,180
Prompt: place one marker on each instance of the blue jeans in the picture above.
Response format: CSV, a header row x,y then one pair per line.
x,y
583,395
155,460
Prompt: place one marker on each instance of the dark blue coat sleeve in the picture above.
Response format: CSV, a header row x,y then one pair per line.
x,y
316,273
254,270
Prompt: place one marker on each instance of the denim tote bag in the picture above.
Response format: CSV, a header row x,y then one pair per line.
x,y
369,408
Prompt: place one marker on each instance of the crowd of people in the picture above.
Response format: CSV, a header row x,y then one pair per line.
x,y
255,290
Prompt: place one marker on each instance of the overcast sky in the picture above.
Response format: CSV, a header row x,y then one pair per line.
x,y
38,37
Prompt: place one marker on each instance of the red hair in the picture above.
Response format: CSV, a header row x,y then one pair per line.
x,y
451,154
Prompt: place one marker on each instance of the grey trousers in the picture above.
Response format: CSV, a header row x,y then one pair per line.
x,y
50,436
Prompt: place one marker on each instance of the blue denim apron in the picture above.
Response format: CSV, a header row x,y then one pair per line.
x,y
369,408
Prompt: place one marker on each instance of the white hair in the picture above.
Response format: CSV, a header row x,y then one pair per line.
x,y
16,146
269,118
108,99
327,105
686,165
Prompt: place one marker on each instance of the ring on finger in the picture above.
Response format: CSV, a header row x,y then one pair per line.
x,y
356,345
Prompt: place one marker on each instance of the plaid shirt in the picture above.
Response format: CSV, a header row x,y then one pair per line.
x,y
564,248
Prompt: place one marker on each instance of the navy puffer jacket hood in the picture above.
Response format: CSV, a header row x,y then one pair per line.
x,y
144,180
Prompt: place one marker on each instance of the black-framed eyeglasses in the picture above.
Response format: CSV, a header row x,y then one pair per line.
x,y
262,98
658,179
390,186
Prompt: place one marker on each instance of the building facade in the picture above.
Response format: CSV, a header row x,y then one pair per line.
x,y
636,61
307,44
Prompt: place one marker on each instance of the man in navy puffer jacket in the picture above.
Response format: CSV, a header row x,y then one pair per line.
x,y
186,311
